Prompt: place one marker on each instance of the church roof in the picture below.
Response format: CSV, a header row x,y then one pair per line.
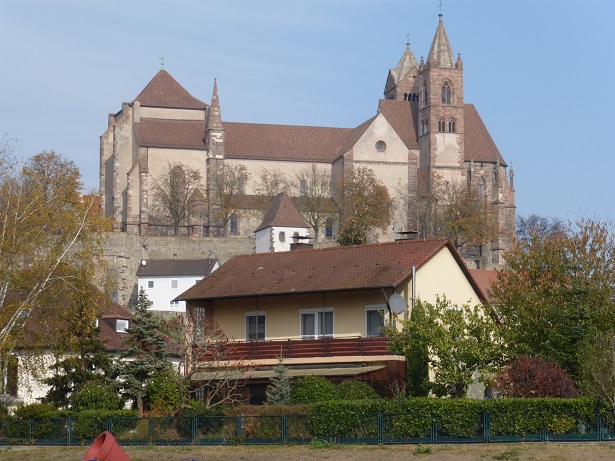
x,y
355,135
183,134
441,51
283,142
282,213
479,145
405,65
400,117
164,91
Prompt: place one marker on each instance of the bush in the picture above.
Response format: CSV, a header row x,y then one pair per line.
x,y
313,389
356,390
208,419
163,393
90,423
45,424
94,396
342,418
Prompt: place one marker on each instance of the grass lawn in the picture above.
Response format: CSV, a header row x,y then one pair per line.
x,y
520,451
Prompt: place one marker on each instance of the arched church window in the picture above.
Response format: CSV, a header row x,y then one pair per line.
x,y
441,125
451,125
446,93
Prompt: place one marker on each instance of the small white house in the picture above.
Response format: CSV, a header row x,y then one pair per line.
x,y
164,279
281,227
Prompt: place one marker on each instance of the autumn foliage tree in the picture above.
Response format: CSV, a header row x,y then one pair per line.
x,y
227,193
366,207
529,377
50,250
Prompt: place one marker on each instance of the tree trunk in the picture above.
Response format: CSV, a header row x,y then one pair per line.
x,y
140,405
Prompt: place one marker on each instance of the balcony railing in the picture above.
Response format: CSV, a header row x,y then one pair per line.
x,y
305,348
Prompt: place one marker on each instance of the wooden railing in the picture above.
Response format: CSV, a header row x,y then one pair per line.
x,y
305,348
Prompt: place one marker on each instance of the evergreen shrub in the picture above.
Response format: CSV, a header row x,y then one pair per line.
x,y
356,390
94,396
313,389
90,424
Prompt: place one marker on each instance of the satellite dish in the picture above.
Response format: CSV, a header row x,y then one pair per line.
x,y
397,303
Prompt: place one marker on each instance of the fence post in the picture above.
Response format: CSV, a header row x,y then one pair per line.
x,y
486,427
70,431
380,428
194,430
434,430
239,426
31,435
284,422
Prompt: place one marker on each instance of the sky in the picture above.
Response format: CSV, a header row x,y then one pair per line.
x,y
536,70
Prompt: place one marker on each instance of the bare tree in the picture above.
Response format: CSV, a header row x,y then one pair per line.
x,y
366,207
269,184
417,209
173,192
211,362
227,193
313,185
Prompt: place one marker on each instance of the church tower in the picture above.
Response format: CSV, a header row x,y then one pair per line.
x,y
402,83
214,147
441,111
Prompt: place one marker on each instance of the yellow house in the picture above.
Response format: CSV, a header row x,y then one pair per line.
x,y
322,310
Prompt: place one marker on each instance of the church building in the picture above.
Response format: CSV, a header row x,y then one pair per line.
x,y
423,134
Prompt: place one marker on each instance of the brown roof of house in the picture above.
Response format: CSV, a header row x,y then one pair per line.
x,y
183,134
164,91
400,117
322,270
167,267
479,145
283,142
484,279
282,213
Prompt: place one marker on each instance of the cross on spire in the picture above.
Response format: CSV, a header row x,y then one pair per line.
x,y
440,6
161,61
408,38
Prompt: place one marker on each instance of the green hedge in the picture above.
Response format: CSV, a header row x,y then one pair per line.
x,y
90,423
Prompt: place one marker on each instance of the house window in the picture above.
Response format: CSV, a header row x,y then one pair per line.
x,y
121,325
150,284
451,125
173,304
255,327
174,284
9,375
446,93
316,323
199,315
374,320
234,225
329,228
282,236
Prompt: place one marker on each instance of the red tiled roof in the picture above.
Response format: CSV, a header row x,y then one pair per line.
x,y
484,279
164,91
283,142
479,145
184,134
323,270
400,117
164,267
282,213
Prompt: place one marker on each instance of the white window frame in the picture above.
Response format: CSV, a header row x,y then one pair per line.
x,y
374,307
122,329
317,326
175,304
256,314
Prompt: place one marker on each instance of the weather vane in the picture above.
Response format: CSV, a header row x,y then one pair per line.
x,y
161,61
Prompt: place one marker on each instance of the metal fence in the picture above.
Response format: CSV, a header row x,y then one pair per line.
x,y
384,428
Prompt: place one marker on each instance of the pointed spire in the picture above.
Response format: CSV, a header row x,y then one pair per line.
x,y
214,116
422,64
459,64
441,53
405,65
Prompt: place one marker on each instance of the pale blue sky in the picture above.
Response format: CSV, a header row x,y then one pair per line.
x,y
539,73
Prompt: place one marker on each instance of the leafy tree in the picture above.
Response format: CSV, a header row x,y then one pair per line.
x,y
462,342
598,367
96,396
558,291
210,360
313,185
227,193
145,353
163,393
367,206
174,192
50,250
529,377
279,391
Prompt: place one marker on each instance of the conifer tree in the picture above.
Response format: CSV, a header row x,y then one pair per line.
x,y
279,392
145,354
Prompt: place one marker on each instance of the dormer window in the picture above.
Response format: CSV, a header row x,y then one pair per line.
x,y
446,93
121,325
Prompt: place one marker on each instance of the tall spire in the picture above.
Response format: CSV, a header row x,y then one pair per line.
x,y
214,116
441,53
405,64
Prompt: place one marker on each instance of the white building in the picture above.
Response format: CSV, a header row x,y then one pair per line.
x,y
281,227
164,279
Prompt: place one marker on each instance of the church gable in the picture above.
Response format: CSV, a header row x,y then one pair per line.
x,y
380,143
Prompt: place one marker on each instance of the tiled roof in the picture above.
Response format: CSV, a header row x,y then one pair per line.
x,y
405,65
167,267
400,117
184,134
164,91
484,279
479,145
282,213
283,142
323,270
441,51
